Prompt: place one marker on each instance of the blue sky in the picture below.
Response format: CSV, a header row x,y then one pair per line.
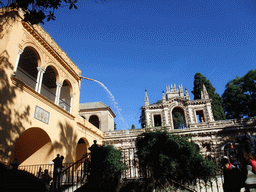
x,y
131,46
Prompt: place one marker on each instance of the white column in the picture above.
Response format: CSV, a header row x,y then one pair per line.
x,y
39,79
57,97
71,101
17,60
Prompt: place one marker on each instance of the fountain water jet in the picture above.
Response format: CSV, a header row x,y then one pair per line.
x,y
111,97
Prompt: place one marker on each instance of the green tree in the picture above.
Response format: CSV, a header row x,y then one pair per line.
x,y
112,167
171,157
114,125
159,101
240,95
133,126
217,103
142,119
178,120
112,163
38,10
107,167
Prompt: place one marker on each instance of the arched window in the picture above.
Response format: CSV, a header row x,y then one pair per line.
x,y
48,88
27,67
178,118
65,96
95,121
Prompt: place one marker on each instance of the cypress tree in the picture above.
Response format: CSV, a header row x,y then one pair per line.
x,y
217,108
240,95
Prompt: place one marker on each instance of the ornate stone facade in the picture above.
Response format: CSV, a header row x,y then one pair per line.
x,y
193,111
210,135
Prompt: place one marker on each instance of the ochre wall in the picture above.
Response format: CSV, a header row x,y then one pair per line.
x,y
21,134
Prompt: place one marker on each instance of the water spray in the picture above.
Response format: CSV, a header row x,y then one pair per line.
x,y
111,97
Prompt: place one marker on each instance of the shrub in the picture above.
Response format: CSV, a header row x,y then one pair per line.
x,y
171,157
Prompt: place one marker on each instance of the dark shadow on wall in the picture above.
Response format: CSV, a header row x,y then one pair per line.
x,y
7,17
68,142
11,117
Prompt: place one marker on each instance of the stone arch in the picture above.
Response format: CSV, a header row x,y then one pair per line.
x,y
36,49
178,113
82,148
84,117
28,63
94,119
48,87
34,146
56,70
66,94
67,82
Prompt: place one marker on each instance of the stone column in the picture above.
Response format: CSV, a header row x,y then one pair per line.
x,y
71,101
147,119
57,96
171,120
39,79
166,116
190,116
209,110
17,60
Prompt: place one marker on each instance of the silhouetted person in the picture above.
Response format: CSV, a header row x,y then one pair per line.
x,y
46,179
57,170
233,180
15,164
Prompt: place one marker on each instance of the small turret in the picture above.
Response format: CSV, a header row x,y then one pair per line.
x,y
181,91
168,89
187,94
173,90
163,97
204,93
146,101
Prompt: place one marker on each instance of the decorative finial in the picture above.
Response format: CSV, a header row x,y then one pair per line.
x,y
146,101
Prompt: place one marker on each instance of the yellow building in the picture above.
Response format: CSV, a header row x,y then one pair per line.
x,y
39,97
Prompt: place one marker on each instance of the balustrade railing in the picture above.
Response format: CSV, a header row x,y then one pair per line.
x,y
64,105
37,170
73,175
25,78
129,157
46,92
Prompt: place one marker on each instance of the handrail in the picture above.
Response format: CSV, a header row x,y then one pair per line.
x,y
74,175
84,156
